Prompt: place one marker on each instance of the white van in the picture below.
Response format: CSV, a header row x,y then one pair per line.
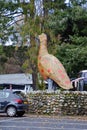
x,y
24,88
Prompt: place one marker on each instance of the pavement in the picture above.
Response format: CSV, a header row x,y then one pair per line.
x,y
36,122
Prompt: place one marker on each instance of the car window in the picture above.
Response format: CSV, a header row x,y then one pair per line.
x,y
4,94
79,75
20,94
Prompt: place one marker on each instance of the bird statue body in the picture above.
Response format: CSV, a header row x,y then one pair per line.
x,y
50,67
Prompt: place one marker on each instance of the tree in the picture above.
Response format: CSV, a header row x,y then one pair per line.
x,y
3,59
64,24
69,27
73,58
15,59
23,22
34,24
70,21
8,9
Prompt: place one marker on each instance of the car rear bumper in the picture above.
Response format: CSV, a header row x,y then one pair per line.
x,y
22,107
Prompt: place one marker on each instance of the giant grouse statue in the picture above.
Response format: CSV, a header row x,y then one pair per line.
x,y
50,67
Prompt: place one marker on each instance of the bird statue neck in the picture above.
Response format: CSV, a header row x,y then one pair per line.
x,y
43,48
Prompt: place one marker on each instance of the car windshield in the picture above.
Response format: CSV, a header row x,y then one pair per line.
x,y
81,74
85,75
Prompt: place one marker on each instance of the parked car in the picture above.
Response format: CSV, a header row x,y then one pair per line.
x,y
80,83
13,103
23,88
83,82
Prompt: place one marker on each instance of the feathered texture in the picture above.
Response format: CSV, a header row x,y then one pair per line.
x,y
50,67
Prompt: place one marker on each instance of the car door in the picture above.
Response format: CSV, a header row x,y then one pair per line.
x,y
1,95
0,105
3,100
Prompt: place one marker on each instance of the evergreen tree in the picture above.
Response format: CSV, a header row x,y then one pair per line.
x,y
22,19
69,27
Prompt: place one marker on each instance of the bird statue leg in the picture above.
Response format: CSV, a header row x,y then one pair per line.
x,y
50,84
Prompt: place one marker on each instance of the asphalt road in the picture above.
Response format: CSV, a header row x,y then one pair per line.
x,y
41,123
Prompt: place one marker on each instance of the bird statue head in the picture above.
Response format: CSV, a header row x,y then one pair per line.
x,y
42,38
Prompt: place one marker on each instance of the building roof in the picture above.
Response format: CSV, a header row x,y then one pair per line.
x,y
19,79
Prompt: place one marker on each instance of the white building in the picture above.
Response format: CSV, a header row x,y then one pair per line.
x,y
20,81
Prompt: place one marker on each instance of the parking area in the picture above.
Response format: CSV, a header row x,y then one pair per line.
x,y
41,123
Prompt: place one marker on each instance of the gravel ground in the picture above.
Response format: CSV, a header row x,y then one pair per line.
x,y
4,116
60,117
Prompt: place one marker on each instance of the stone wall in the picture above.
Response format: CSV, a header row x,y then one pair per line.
x,y
58,103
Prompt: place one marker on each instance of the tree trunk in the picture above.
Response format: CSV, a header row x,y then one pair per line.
x,y
35,79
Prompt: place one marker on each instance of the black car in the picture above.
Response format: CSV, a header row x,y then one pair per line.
x,y
13,103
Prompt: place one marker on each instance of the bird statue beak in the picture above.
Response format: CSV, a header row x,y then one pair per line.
x,y
37,40
40,38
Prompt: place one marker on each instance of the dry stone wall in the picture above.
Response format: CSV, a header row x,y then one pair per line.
x,y
58,103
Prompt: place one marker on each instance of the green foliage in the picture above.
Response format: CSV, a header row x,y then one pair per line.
x,y
64,24
68,22
1,50
7,11
41,84
79,40
73,58
68,27
12,58
3,58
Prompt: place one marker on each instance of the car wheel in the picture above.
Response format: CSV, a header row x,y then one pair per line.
x,y
20,113
11,111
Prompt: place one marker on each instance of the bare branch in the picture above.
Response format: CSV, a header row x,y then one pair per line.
x,y
10,24
11,14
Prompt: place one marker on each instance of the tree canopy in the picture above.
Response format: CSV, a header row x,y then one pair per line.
x,y
69,27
